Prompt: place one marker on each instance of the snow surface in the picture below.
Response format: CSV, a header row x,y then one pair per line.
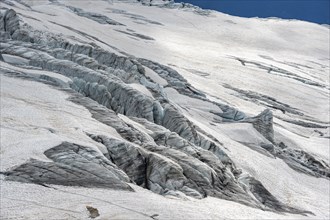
x,y
36,117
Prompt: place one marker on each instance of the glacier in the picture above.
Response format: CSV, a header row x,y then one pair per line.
x,y
161,110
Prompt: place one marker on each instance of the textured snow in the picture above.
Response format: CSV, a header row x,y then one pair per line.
x,y
36,117
28,201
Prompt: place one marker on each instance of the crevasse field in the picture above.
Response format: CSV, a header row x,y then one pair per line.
x,y
161,110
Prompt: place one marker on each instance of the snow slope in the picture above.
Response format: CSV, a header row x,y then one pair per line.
x,y
249,64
